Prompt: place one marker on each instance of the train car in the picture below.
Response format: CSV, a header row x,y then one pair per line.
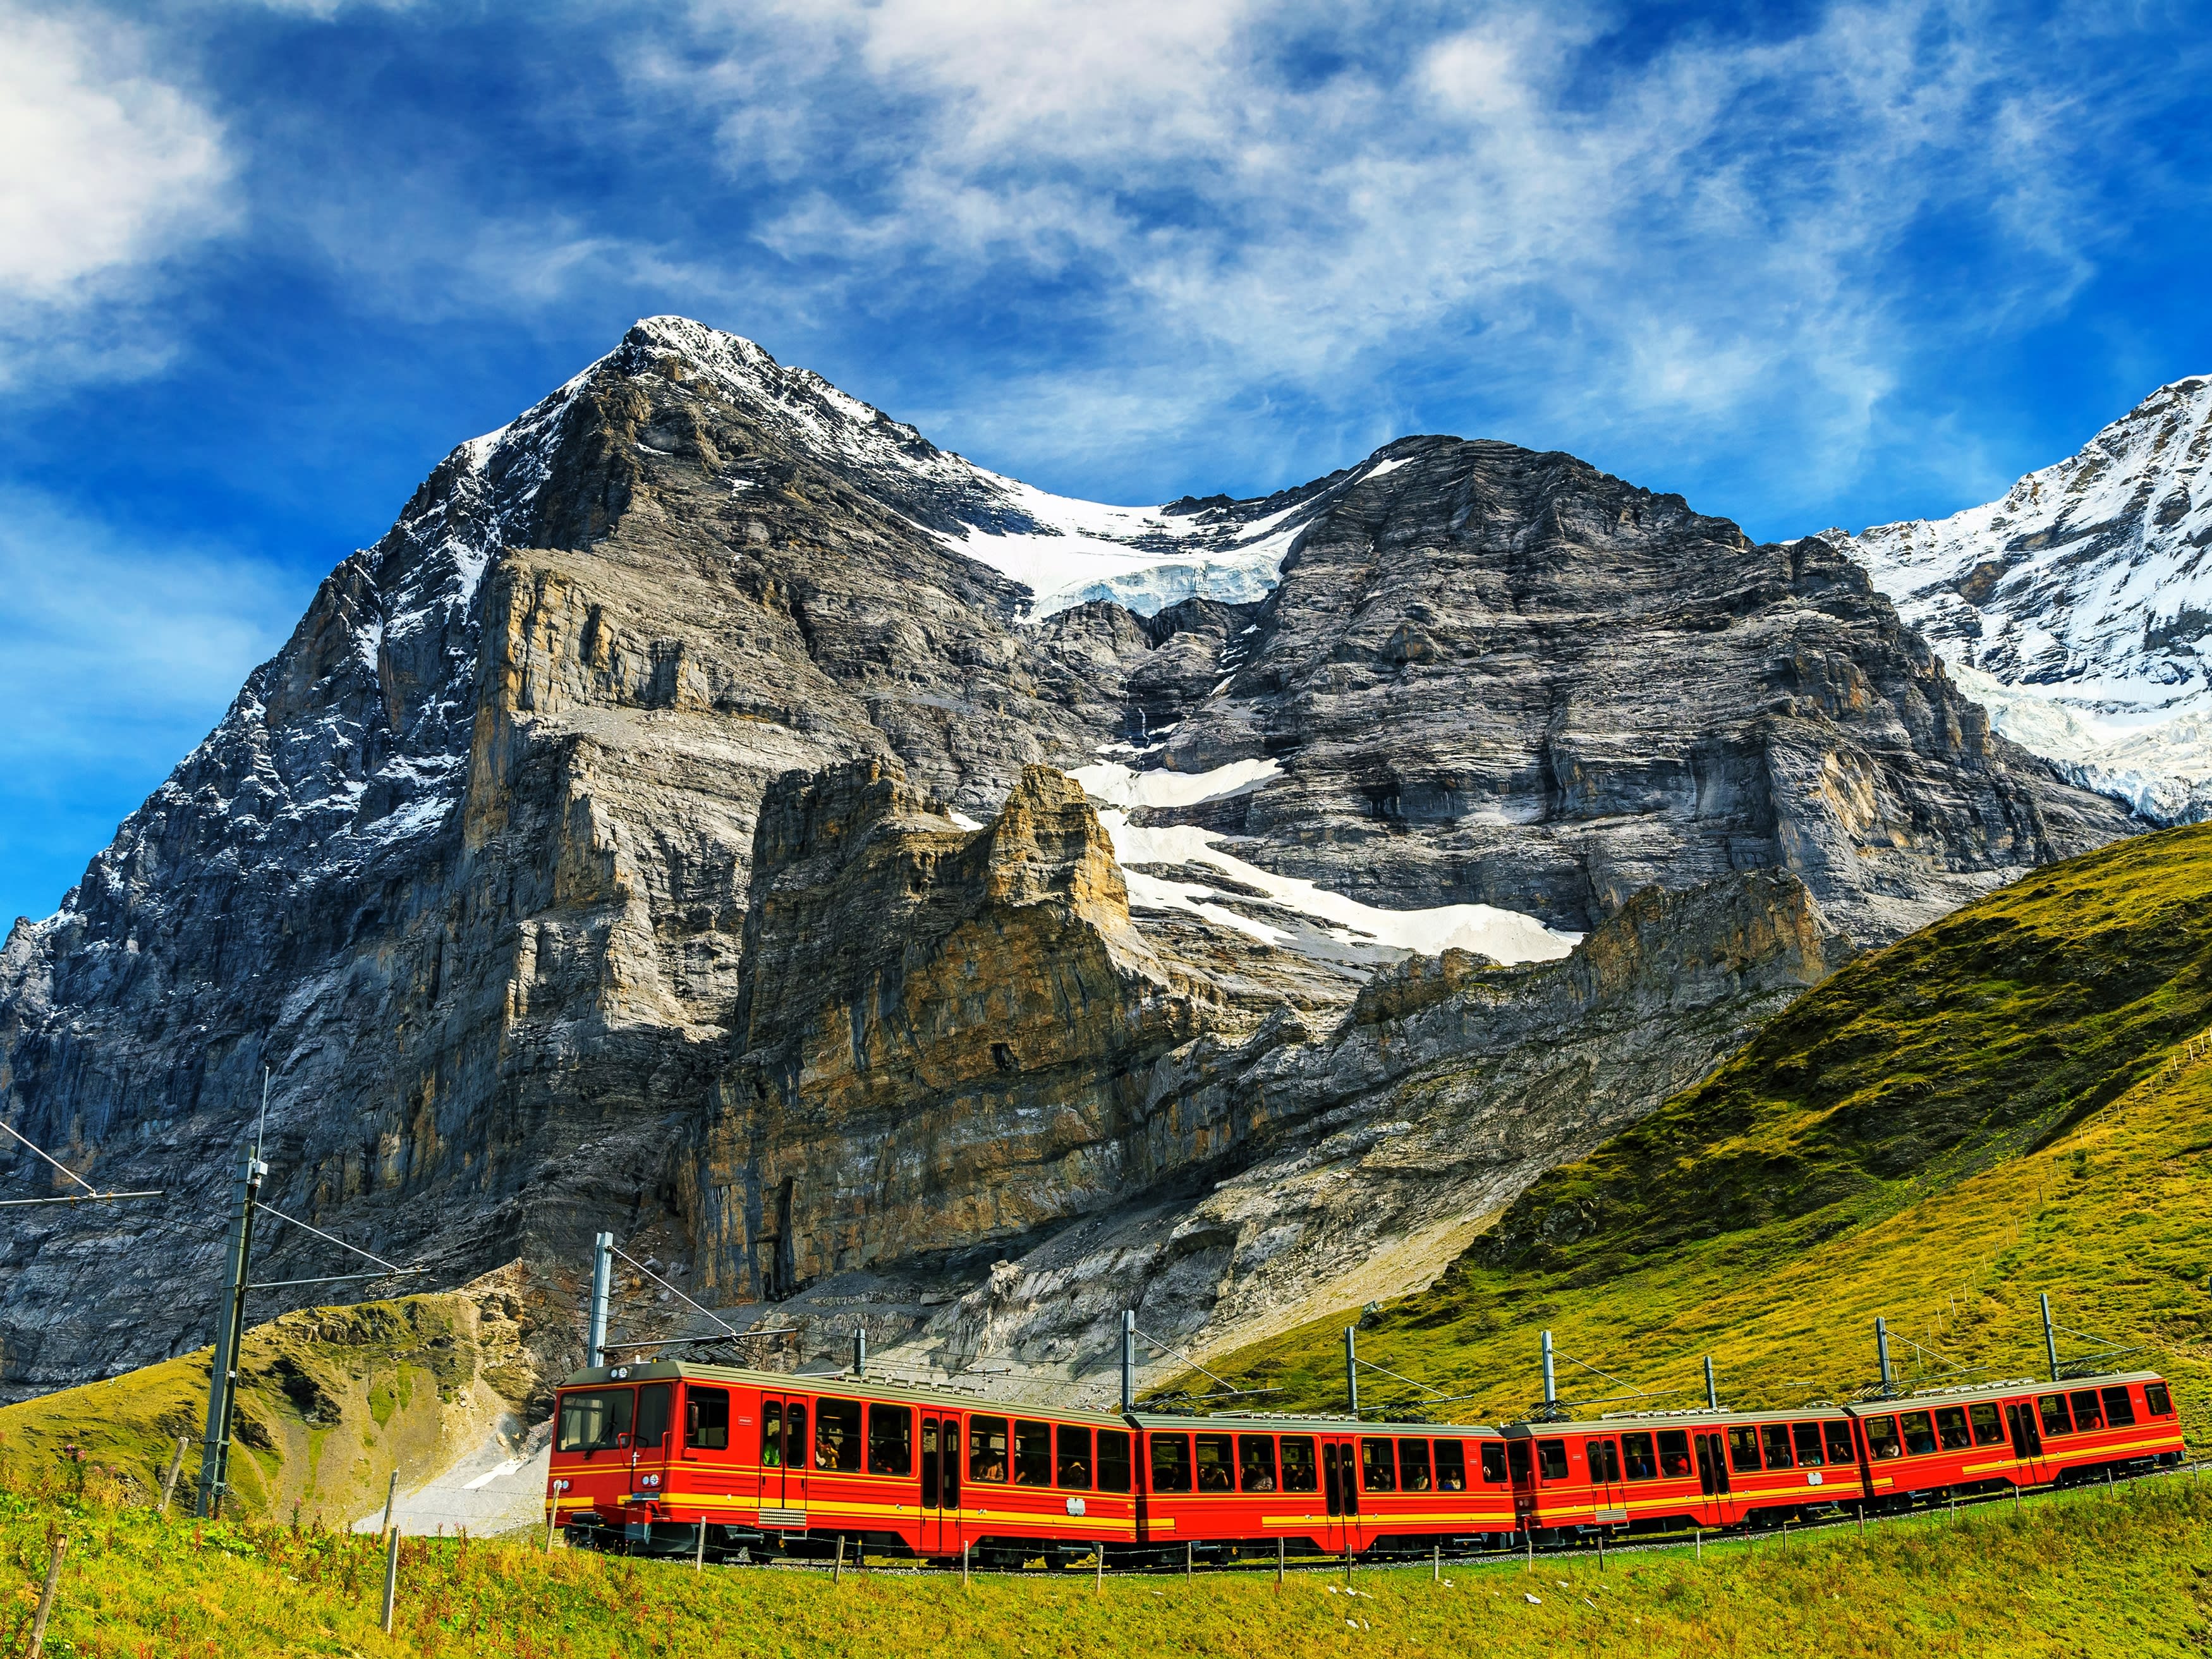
x,y
1924,1446
647,1455
1229,1485
1663,1471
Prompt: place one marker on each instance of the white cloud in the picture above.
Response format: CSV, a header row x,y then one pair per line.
x,y
105,171
1241,194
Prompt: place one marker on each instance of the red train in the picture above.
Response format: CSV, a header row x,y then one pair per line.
x,y
647,1455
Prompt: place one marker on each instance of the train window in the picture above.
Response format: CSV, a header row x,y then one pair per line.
x,y
771,1434
1806,1438
986,1448
1951,1430
2051,1407
1032,1454
1113,1459
1377,1472
890,1440
1170,1462
1776,1437
837,1436
2119,1410
1675,1452
654,1404
1217,1464
1493,1463
707,1419
1451,1465
1552,1459
929,1464
1070,1465
1743,1449
1413,1465
1881,1437
1636,1459
1988,1424
1604,1459
1839,1442
1919,1433
594,1421
2087,1416
1255,1462
2159,1398
1300,1473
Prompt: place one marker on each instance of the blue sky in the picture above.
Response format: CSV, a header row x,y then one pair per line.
x,y
261,265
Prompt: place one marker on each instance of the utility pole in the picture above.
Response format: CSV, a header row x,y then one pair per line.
x,y
1551,1382
1352,1368
230,1331
2050,1337
603,1268
1128,1360
1712,1394
1882,1352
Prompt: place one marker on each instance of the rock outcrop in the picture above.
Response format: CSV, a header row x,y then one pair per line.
x,y
470,864
1494,676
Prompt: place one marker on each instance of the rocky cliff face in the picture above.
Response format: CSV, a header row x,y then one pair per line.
x,y
475,864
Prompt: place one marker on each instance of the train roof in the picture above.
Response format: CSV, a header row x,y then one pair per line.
x,y
1628,1422
2006,1390
875,1388
1285,1423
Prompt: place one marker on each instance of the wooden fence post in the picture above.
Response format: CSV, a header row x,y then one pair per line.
x,y
176,1467
46,1597
391,1575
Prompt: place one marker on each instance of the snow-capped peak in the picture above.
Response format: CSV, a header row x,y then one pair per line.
x,y
2087,588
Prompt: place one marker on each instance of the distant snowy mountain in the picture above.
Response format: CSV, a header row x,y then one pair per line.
x,y
1066,552
2078,608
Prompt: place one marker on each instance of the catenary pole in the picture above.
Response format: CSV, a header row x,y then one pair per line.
x,y
603,1267
1352,1369
1712,1394
2050,1337
1882,1352
230,1331
1128,1359
1551,1380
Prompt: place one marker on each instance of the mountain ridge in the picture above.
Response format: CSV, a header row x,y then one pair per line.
x,y
2077,607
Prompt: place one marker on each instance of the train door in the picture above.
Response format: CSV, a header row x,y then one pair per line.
x,y
1608,1497
1339,1480
1713,1477
2026,1436
940,1485
650,1442
785,1455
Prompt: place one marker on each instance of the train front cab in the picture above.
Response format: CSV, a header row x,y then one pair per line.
x,y
645,1456
1921,1447
1665,1471
1227,1486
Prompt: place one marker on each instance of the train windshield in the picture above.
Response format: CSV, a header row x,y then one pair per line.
x,y
594,1419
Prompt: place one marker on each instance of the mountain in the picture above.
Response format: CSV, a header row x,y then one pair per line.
x,y
496,865
2078,608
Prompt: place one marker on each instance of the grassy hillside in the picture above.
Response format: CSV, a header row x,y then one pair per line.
x,y
332,1401
2088,1574
2009,1102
